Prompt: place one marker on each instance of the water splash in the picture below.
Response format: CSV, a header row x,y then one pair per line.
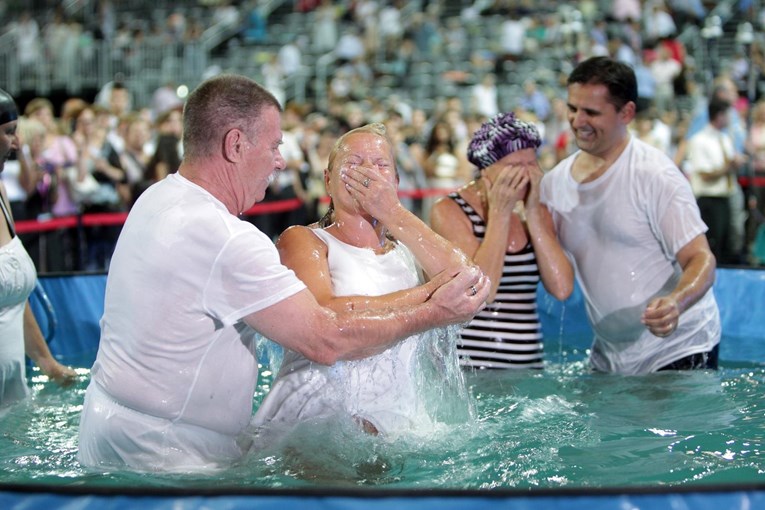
x,y
563,426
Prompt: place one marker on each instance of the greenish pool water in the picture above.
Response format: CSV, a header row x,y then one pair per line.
x,y
561,427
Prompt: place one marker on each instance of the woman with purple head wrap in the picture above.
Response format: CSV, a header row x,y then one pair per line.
x,y
497,220
501,135
19,332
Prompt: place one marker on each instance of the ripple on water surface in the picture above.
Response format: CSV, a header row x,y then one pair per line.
x,y
561,427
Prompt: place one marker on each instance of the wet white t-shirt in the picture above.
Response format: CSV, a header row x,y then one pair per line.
x,y
173,346
623,231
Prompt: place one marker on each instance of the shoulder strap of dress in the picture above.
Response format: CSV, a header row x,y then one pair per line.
x,y
458,198
471,213
7,217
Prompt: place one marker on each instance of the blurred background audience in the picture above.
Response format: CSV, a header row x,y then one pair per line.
x,y
102,85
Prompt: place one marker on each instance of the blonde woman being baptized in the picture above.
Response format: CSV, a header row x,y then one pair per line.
x,y
368,252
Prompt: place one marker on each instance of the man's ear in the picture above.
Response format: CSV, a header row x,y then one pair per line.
x,y
628,111
233,145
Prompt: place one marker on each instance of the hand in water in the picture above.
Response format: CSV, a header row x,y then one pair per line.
x,y
58,373
661,316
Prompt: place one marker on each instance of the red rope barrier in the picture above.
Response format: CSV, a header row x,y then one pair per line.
x,y
276,206
118,218
757,182
28,226
99,219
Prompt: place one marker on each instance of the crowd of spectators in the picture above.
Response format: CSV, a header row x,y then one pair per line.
x,y
98,155
87,159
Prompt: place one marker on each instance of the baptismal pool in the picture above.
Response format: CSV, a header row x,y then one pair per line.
x,y
559,438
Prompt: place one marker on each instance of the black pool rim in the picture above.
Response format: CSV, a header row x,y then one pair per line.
x,y
379,492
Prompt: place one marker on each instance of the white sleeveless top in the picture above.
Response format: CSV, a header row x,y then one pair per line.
x,y
380,389
17,280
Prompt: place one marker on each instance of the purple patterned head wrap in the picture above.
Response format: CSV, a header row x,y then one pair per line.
x,y
499,136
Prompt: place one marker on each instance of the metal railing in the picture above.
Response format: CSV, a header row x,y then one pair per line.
x,y
143,67
146,66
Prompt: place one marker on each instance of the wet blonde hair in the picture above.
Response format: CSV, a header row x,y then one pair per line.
x,y
374,128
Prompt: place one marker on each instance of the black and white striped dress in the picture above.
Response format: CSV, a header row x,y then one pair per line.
x,y
507,333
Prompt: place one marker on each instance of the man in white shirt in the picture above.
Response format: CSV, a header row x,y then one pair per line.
x,y
712,168
626,216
